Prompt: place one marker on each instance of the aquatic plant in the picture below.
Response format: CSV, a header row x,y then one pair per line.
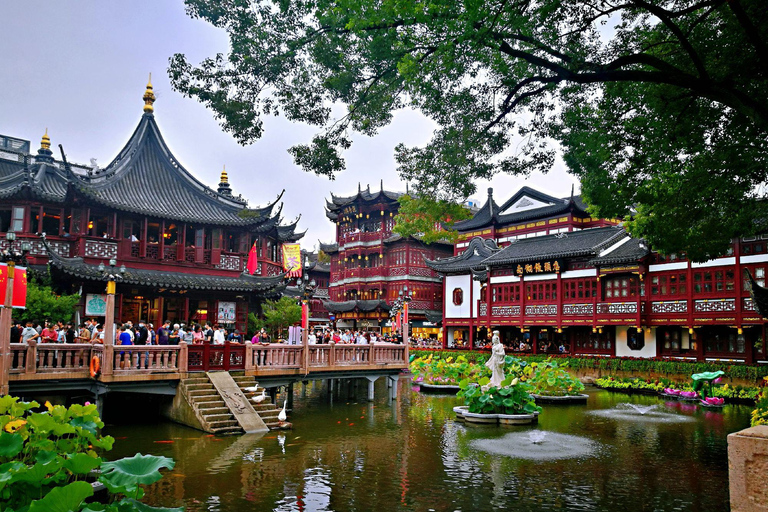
x,y
47,453
550,379
512,397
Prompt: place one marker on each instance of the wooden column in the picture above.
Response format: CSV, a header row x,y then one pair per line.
x,y
107,366
161,242
144,239
40,219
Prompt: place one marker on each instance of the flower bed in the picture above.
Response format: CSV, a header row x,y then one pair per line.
x,y
507,404
639,365
731,394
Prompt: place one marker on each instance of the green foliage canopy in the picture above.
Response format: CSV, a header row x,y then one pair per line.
x,y
43,303
430,220
659,105
279,314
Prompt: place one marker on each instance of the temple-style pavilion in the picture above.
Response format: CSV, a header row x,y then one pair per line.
x,y
183,244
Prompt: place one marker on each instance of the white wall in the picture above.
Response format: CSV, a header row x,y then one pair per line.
x,y
452,310
622,350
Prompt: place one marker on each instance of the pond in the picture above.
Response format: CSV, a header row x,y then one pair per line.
x,y
351,455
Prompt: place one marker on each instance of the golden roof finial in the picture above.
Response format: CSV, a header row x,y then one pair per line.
x,y
149,97
46,142
224,177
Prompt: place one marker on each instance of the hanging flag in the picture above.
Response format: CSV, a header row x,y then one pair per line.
x,y
253,259
304,315
292,260
405,316
20,288
397,322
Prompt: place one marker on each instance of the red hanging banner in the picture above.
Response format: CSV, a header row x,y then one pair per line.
x,y
304,315
20,288
397,322
405,315
3,282
253,259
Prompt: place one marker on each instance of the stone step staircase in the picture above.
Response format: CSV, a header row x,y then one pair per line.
x,y
210,409
266,409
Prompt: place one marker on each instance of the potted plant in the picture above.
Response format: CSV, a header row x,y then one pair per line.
x,y
507,404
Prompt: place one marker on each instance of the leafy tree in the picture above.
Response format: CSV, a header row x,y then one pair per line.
x,y
660,105
254,324
279,314
322,257
43,303
431,220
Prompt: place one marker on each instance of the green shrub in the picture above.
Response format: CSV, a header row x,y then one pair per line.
x,y
46,456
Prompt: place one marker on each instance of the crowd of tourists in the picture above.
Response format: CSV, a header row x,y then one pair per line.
x,y
144,333
127,333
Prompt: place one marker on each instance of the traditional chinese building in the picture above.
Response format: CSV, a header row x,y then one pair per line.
x,y
184,245
370,265
544,273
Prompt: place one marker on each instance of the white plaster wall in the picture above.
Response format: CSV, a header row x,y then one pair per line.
x,y
622,350
451,309
475,297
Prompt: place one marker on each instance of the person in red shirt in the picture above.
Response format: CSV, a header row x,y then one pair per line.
x,y
49,334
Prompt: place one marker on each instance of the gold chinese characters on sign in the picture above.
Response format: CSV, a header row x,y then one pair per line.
x,y
540,267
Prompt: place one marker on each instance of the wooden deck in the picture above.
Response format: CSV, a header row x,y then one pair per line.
x,y
135,363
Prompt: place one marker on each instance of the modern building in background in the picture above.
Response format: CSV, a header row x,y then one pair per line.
x,y
184,245
371,265
549,276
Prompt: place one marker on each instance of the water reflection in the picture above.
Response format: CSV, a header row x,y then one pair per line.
x,y
347,455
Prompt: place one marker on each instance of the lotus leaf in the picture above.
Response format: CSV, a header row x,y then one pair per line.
x,y
10,444
139,469
63,499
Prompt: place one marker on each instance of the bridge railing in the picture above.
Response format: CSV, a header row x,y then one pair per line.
x,y
125,360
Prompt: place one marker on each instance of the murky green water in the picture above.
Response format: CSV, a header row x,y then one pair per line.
x,y
357,456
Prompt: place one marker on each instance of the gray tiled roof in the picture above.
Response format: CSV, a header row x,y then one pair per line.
x,y
145,178
173,280
628,252
337,202
491,213
474,255
587,242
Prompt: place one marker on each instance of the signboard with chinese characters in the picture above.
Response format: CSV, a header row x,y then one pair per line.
x,y
226,312
95,304
539,267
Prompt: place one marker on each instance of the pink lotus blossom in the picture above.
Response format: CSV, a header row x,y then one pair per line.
x,y
87,403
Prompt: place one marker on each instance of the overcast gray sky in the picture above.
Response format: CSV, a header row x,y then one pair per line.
x,y
79,68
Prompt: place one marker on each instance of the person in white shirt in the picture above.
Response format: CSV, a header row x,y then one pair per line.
x,y
312,338
218,335
361,339
345,337
373,337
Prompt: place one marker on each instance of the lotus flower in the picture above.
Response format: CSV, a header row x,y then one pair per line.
x,y
420,378
713,400
717,380
672,391
689,394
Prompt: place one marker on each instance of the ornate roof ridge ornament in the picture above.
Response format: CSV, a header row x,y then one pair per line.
x,y
149,97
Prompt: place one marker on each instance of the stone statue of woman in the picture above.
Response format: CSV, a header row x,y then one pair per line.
x,y
496,361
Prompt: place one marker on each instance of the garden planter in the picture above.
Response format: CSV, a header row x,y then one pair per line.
x,y
460,410
564,399
439,388
498,419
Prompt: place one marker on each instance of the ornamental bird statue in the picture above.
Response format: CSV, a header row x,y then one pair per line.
x,y
260,398
283,416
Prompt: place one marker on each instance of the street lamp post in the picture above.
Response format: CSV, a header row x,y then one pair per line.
x,y
307,288
10,257
111,275
405,297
